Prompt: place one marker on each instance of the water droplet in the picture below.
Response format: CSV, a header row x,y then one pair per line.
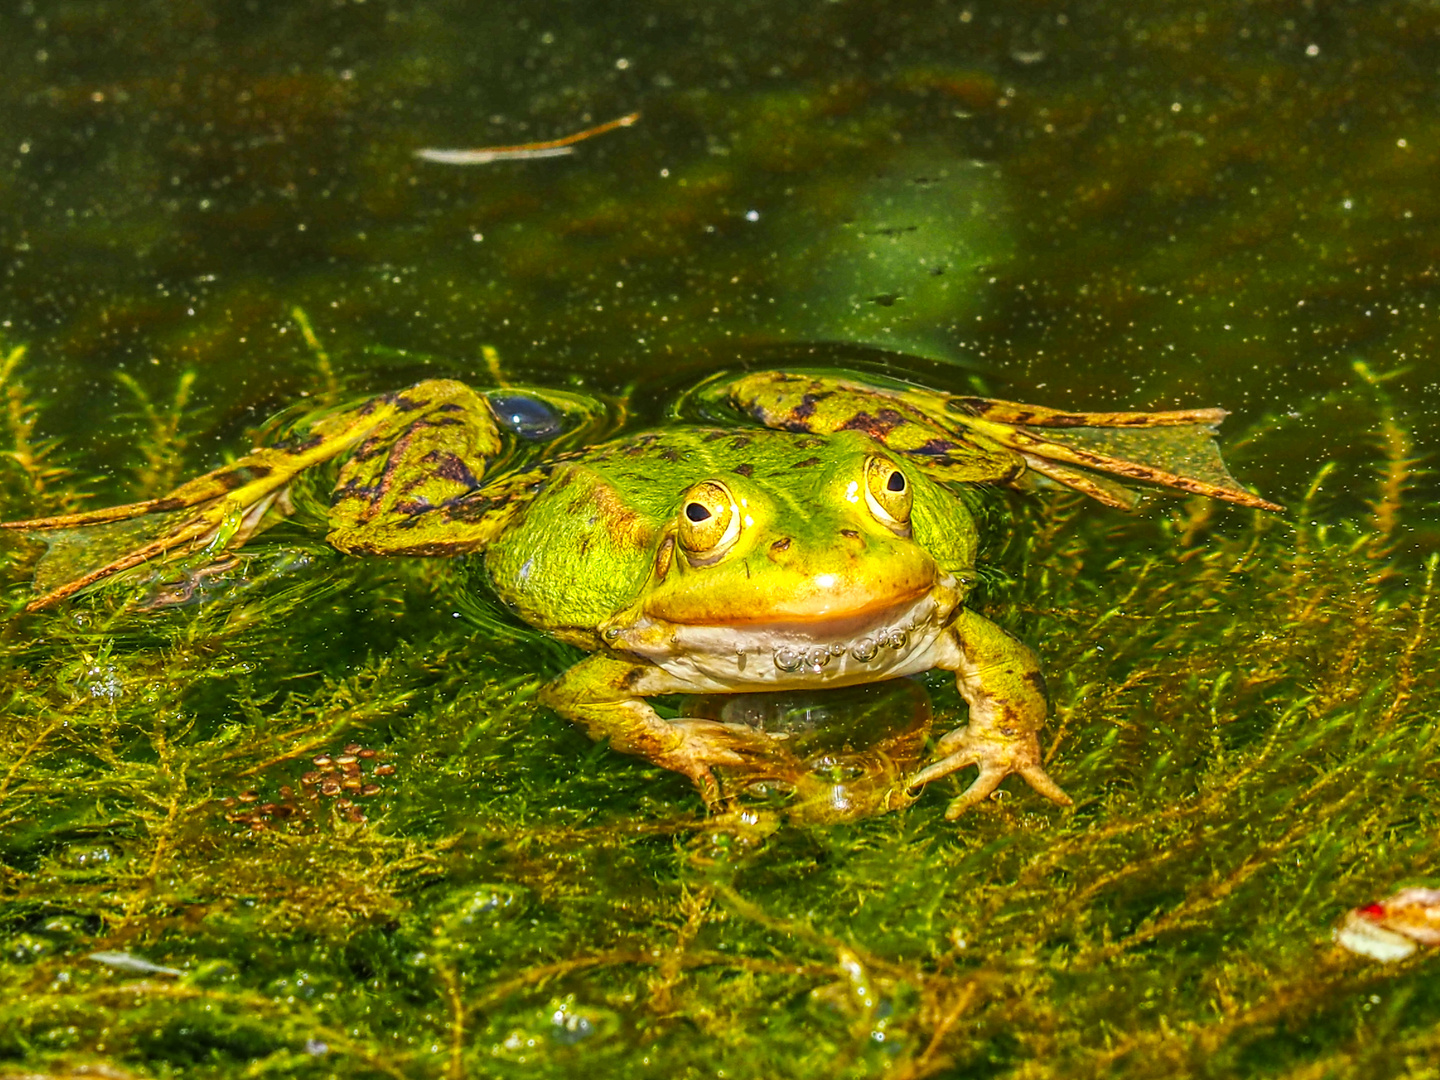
x,y
865,649
897,639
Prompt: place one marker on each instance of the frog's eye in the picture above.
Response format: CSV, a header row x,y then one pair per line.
x,y
887,492
709,519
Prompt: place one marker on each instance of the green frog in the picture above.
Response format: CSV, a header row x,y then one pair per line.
x,y
818,531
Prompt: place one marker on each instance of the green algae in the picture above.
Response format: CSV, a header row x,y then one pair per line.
x,y
1242,712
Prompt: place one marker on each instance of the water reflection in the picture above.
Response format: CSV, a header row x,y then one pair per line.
x,y
841,754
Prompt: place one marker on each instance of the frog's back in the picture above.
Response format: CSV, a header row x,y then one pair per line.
x,y
654,467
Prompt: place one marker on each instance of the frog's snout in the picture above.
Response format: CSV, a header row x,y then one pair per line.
x,y
778,548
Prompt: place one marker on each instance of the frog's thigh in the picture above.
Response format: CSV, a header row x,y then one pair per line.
x,y
431,451
1000,680
606,696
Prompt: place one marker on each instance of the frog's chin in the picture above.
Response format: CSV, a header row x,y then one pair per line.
x,y
901,639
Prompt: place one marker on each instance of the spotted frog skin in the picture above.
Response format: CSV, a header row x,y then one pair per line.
x,y
822,535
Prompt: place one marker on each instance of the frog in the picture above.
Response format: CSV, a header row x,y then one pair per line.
x,y
810,529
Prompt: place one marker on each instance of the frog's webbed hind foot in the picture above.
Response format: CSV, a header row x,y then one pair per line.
x,y
996,757
220,510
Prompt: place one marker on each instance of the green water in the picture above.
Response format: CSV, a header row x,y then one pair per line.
x,y
1086,205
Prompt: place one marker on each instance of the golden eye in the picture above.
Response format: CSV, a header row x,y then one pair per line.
x,y
709,519
887,492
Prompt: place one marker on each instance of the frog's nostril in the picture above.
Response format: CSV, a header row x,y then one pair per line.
x,y
783,544
850,534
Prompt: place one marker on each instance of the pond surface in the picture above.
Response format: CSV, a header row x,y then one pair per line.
x,y
304,816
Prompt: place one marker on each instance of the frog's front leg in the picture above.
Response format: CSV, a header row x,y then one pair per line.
x,y
606,696
1000,680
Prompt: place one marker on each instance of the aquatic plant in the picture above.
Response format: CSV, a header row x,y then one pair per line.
x,y
294,815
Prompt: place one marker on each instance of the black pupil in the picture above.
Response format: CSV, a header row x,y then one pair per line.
x,y
695,512
896,482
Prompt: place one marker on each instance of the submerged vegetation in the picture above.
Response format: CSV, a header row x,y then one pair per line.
x,y
296,814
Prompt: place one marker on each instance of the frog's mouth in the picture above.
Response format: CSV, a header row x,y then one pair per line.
x,y
878,641
834,618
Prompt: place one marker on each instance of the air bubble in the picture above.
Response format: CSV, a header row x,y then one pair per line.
x,y
788,659
527,417
865,650
817,657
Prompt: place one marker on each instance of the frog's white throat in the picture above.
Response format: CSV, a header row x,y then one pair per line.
x,y
898,641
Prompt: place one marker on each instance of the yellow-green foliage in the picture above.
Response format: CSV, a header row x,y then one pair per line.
x,y
1243,712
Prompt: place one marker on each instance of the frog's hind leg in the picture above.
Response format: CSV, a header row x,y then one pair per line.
x,y
438,424
972,439
416,485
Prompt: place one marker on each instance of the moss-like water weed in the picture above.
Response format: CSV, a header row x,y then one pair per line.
x,y
337,816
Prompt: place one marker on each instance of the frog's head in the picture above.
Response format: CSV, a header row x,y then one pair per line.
x,y
802,553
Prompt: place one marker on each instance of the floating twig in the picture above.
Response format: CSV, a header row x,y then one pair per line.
x,y
524,151
125,961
